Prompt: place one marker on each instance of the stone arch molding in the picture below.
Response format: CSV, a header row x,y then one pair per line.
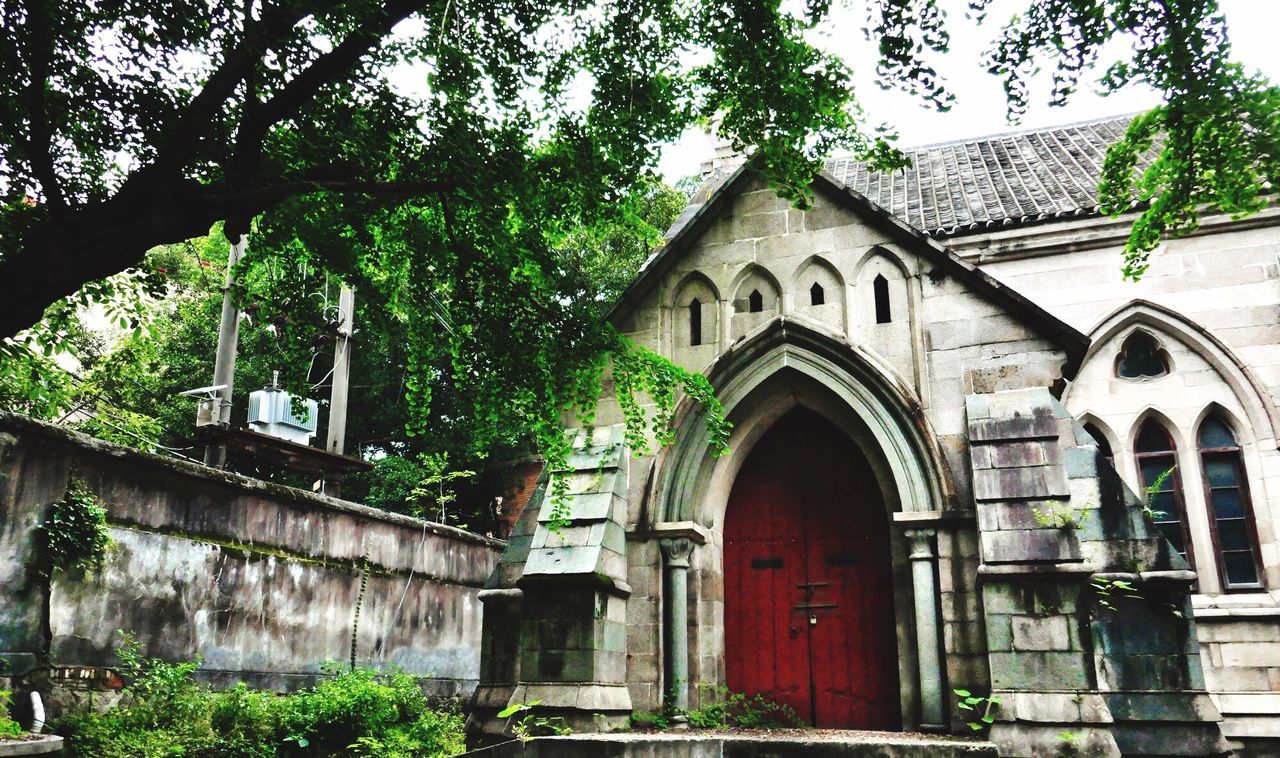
x,y
890,416
1163,324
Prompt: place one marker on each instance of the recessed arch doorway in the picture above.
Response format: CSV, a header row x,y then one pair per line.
x,y
809,607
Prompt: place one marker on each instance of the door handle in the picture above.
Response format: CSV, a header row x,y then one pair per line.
x,y
794,632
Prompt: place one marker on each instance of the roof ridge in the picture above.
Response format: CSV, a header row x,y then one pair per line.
x,y
1005,134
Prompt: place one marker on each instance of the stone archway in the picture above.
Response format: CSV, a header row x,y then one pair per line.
x,y
782,366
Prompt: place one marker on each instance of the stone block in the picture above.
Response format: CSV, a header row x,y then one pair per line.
x,y
1018,428
1080,462
1030,545
975,407
756,225
1040,633
963,637
999,630
1031,671
1022,454
1251,654
1029,483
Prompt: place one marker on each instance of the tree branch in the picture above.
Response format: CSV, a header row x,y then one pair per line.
x,y
39,146
190,123
52,263
325,69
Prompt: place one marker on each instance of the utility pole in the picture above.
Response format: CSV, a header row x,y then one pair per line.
x,y
224,366
337,433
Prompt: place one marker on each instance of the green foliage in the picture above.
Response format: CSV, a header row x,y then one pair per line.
x,y
650,721
1057,515
1152,490
525,722
437,486
74,535
1211,146
166,713
736,710
8,727
975,703
1107,591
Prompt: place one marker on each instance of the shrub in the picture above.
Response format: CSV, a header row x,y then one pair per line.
x,y
165,712
8,727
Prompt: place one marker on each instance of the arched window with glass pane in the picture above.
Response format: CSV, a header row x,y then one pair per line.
x,y
1230,513
1157,458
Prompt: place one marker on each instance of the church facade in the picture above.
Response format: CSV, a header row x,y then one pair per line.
x,y
966,455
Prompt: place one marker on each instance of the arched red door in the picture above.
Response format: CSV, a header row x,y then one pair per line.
x,y
808,604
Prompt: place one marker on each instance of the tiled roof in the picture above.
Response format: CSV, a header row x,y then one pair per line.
x,y
992,181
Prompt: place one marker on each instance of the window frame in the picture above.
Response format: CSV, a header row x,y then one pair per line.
x,y
1179,496
1211,512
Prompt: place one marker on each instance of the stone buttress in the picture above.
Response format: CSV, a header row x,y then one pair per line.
x,y
1092,646
555,608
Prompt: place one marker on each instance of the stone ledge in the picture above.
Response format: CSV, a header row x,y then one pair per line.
x,y
46,744
917,519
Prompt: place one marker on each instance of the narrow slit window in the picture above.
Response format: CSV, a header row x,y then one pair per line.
x,y
880,288
695,322
755,302
1156,455
816,295
1231,513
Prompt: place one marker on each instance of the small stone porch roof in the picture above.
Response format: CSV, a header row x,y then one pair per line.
x,y
1000,180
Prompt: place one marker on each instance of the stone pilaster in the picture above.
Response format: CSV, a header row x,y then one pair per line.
x,y
925,592
676,553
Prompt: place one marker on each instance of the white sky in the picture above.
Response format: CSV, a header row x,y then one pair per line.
x,y
980,102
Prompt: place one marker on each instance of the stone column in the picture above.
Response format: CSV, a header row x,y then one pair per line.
x,y
676,551
925,591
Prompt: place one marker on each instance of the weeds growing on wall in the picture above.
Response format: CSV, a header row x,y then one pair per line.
x,y
75,533
165,712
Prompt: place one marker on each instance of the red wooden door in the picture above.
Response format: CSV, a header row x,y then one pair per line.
x,y
808,585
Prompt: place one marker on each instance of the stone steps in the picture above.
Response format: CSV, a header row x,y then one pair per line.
x,y
806,743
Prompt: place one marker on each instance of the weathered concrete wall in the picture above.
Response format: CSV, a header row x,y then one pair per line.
x,y
261,582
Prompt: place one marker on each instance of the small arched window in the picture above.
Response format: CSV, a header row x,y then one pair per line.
x,y
816,295
1231,513
880,289
1157,458
695,322
755,302
1141,358
1104,447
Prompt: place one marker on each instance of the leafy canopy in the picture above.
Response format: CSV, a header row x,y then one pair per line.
x,y
448,195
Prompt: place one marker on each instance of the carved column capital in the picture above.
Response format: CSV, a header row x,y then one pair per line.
x,y
921,548
677,551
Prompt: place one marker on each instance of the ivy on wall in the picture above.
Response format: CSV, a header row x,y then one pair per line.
x,y
74,536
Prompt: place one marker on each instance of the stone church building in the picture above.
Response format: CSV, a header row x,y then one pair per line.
x,y
946,403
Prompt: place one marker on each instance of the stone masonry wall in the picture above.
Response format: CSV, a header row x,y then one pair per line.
x,y
1214,304
259,581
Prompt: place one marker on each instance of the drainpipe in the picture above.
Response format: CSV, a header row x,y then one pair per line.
x,y
925,591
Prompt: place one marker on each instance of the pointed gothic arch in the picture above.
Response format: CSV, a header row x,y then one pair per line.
x,y
1167,323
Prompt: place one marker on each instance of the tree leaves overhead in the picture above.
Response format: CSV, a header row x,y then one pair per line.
x,y
444,155
1212,146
